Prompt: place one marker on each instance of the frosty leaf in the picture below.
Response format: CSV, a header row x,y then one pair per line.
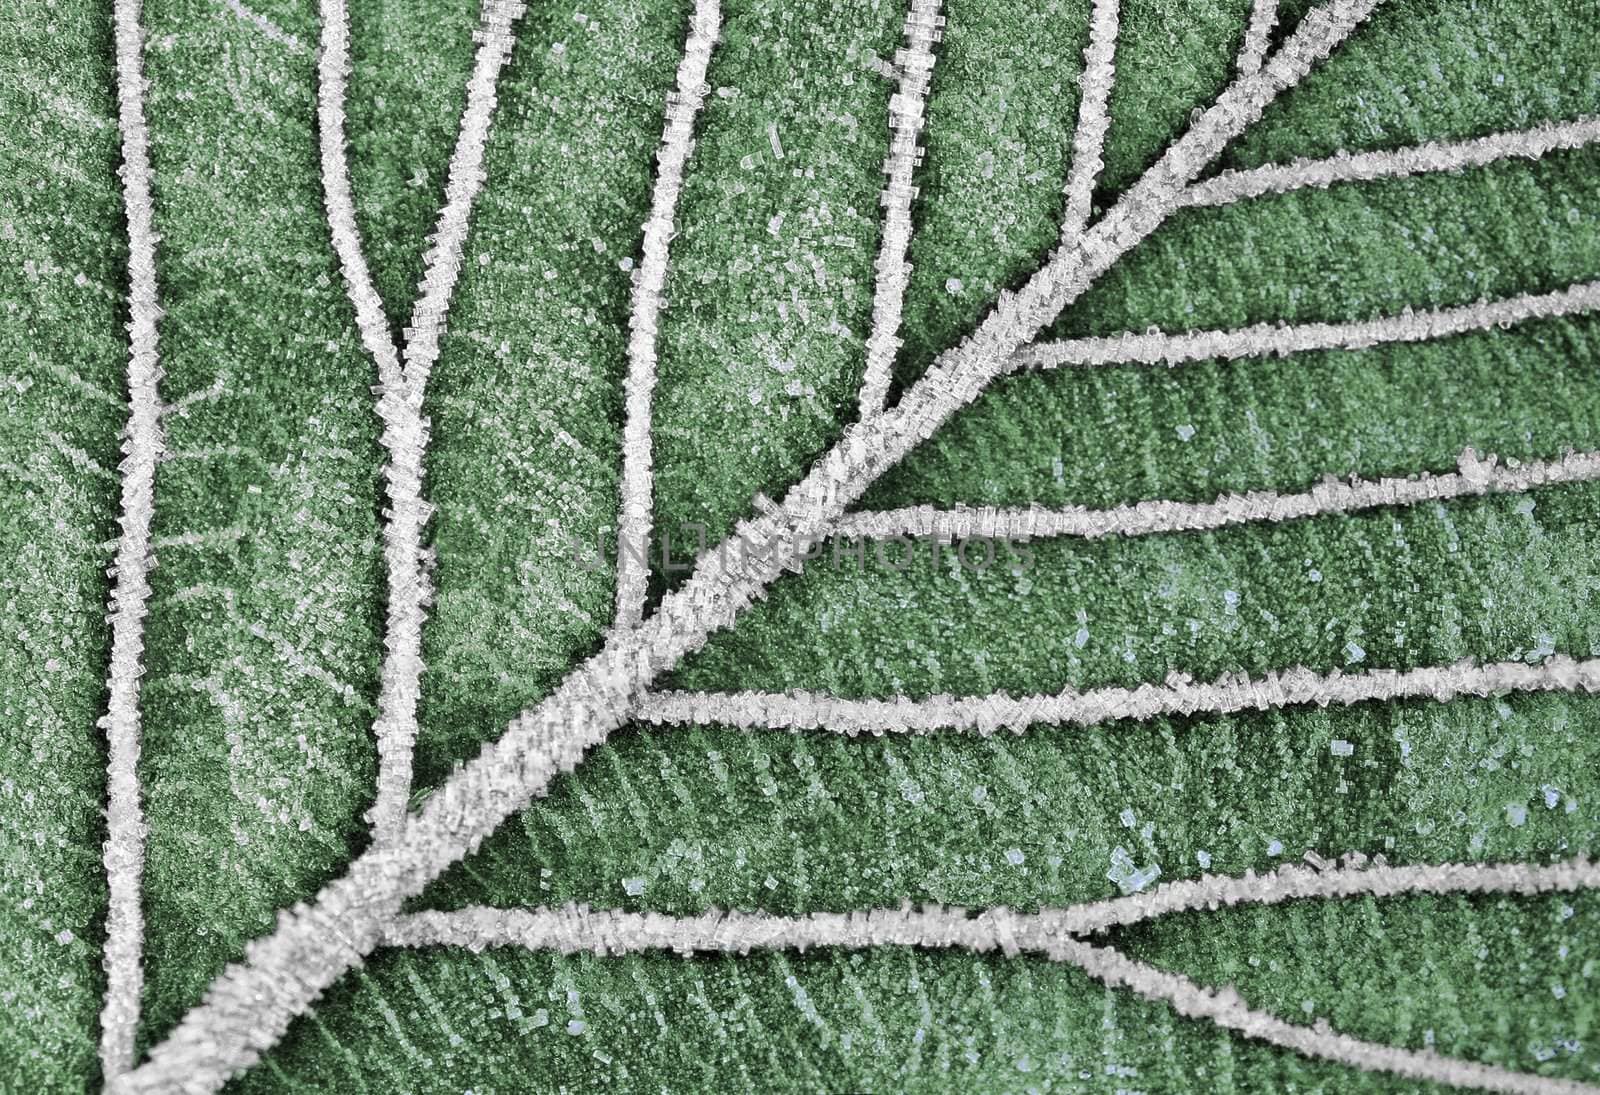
x,y
389,422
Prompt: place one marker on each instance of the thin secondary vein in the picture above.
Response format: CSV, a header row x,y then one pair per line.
x,y
578,929
124,847
1429,158
1094,117
1178,695
677,142
442,262
1474,476
1323,880
1266,339
907,109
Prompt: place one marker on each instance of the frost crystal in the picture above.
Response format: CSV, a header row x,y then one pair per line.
x,y
1130,879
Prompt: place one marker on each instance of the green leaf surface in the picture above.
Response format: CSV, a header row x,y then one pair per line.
x,y
770,288
63,254
526,400
265,632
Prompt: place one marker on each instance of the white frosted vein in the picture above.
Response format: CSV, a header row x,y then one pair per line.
x,y
907,113
577,929
442,262
1227,1009
574,929
1094,116
1422,159
1326,880
404,438
1264,339
1257,36
125,825
401,387
250,1005
677,142
1474,476
333,73
1178,695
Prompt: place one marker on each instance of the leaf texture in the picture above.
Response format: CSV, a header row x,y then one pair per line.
x,y
265,635
63,253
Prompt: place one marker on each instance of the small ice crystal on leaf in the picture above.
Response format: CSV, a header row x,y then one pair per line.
x,y
1129,878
